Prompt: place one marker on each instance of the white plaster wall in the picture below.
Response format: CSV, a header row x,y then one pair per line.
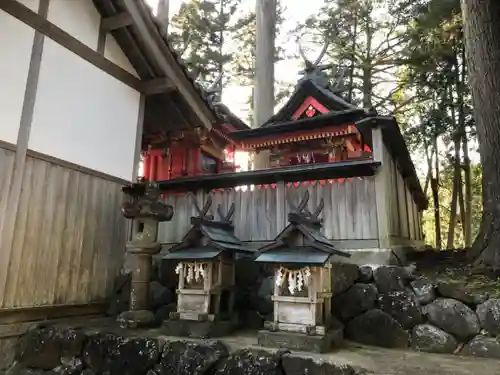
x,y
114,53
83,115
78,18
16,40
32,4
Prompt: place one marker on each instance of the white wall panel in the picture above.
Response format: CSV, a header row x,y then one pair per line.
x,y
78,18
83,115
32,4
16,41
114,53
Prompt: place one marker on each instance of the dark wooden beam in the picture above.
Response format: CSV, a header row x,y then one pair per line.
x,y
158,86
295,173
117,21
30,18
159,50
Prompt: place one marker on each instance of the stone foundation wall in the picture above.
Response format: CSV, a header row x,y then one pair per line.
x,y
51,351
387,306
390,306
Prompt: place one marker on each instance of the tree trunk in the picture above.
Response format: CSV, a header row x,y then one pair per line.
x,y
435,196
454,197
482,35
428,176
367,69
265,12
468,194
461,204
466,205
456,162
353,59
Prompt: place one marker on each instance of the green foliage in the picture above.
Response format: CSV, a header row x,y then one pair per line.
x,y
199,30
445,195
367,37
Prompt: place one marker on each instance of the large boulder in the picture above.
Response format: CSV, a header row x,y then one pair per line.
x,y
249,362
390,278
294,365
261,300
115,355
453,317
133,356
159,295
365,274
19,369
97,350
424,290
344,275
356,300
427,338
375,327
69,366
461,293
482,346
402,306
120,298
489,316
43,348
183,358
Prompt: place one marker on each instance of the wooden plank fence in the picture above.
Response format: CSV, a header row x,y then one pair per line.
x,y
349,212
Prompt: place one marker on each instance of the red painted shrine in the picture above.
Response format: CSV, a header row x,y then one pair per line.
x,y
314,126
195,152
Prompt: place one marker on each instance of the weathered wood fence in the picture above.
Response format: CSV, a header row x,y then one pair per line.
x,y
62,235
261,211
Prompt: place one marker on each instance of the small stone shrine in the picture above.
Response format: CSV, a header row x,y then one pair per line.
x,y
142,204
206,269
302,257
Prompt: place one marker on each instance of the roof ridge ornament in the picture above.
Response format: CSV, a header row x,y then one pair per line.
x,y
301,212
316,72
203,212
226,217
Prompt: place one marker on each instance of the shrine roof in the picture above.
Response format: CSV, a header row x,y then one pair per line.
x,y
314,248
347,116
293,173
295,255
173,100
305,88
220,236
193,253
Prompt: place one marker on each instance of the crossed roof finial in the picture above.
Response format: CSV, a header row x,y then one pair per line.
x,y
302,209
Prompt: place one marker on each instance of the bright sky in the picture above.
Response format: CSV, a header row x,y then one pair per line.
x,y
236,97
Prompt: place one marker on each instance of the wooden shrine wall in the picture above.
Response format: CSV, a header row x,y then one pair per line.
x,y
63,243
405,218
349,212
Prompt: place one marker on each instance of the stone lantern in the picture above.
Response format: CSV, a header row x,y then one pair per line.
x,y
302,257
142,204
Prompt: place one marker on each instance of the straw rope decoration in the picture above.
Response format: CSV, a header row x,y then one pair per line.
x,y
297,279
